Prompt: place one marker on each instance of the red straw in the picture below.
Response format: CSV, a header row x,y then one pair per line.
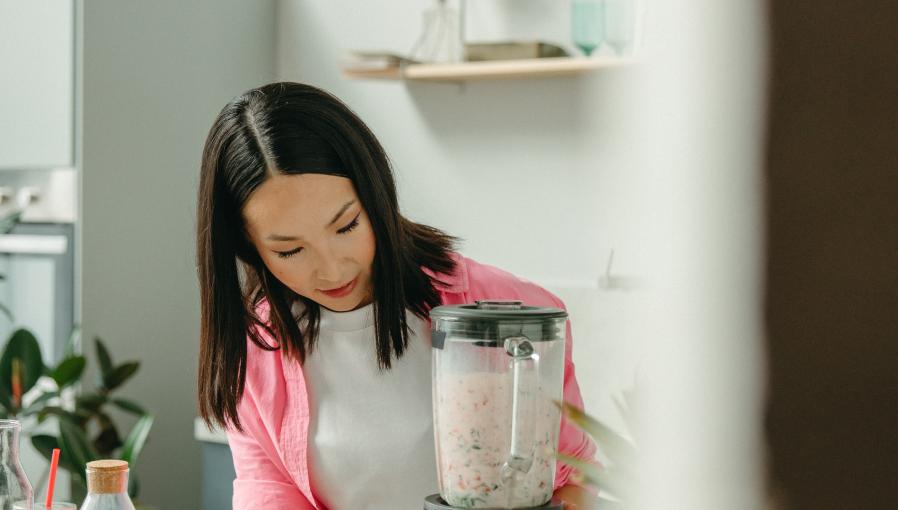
x,y
54,463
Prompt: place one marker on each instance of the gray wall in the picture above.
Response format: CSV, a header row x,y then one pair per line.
x,y
154,76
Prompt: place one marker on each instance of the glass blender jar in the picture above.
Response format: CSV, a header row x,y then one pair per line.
x,y
497,368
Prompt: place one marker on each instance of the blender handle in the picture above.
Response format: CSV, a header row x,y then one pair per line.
x,y
525,384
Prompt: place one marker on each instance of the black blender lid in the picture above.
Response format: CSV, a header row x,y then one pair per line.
x,y
435,502
497,310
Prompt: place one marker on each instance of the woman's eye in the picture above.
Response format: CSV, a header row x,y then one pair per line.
x,y
288,254
353,224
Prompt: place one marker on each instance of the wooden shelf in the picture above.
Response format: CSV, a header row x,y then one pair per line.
x,y
490,70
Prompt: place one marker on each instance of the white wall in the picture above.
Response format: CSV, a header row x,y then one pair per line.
x,y
155,75
532,173
701,110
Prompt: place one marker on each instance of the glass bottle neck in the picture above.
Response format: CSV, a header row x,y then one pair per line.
x,y
9,445
107,483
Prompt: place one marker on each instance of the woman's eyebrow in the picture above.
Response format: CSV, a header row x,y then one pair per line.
x,y
341,211
278,237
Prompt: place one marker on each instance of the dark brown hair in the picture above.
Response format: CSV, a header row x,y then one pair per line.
x,y
293,128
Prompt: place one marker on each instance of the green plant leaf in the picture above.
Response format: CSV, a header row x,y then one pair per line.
x,y
22,346
68,371
603,479
108,439
136,439
79,416
120,374
75,441
45,444
103,358
129,406
625,413
71,345
38,403
5,398
9,221
90,402
590,471
619,449
5,310
133,485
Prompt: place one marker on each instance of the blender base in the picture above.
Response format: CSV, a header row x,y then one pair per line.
x,y
435,502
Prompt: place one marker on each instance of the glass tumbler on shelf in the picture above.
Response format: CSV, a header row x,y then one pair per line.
x,y
440,39
14,485
587,24
620,23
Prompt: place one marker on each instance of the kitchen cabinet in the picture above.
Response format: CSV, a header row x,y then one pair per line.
x,y
218,467
37,81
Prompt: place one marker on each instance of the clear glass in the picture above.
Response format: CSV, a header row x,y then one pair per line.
x,y
495,423
109,501
620,23
587,24
14,485
57,505
440,39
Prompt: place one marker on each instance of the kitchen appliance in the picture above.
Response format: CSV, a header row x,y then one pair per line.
x,y
37,256
498,368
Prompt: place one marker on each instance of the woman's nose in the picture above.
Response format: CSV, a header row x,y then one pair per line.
x,y
329,268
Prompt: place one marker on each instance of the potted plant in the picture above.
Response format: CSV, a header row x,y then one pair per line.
x,y
32,391
617,477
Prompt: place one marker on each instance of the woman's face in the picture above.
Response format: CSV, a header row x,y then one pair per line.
x,y
314,236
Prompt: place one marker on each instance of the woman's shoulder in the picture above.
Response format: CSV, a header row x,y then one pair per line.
x,y
486,281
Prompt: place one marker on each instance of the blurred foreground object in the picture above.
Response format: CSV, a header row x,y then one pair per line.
x,y
832,255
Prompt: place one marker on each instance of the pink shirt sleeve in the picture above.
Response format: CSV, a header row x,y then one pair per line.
x,y
261,482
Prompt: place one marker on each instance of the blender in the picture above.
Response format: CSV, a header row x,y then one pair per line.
x,y
497,368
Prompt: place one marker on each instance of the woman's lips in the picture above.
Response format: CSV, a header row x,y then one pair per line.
x,y
340,291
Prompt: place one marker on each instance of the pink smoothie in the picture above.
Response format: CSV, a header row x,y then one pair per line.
x,y
474,415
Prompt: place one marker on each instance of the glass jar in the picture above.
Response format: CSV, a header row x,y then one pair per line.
x,y
498,367
14,485
107,486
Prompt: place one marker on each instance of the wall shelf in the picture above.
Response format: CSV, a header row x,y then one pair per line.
x,y
490,70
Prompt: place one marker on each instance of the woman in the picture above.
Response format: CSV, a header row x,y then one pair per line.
x,y
315,343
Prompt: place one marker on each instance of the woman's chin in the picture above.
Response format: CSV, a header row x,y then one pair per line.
x,y
347,304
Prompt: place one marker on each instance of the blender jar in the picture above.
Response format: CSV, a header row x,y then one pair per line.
x,y
497,368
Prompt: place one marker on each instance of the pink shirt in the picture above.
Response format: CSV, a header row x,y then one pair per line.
x,y
270,455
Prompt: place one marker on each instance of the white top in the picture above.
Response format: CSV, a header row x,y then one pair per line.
x,y
371,443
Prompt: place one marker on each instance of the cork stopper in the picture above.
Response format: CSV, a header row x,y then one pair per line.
x,y
107,476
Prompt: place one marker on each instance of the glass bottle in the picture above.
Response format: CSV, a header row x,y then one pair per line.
x,y
14,485
587,24
440,41
107,486
620,22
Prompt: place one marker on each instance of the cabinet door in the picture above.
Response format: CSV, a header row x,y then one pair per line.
x,y
37,47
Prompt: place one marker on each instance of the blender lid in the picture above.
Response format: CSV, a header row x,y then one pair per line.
x,y
497,310
489,323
